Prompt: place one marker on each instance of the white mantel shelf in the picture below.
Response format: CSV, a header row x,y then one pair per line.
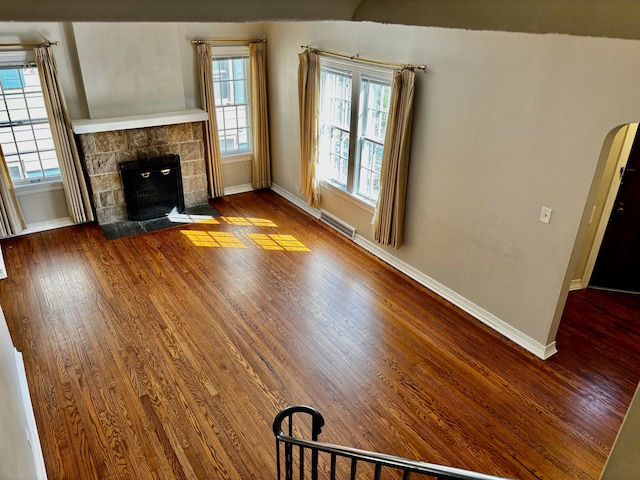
x,y
138,121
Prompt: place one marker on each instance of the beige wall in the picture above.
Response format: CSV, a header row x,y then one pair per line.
x,y
504,124
624,461
43,206
140,68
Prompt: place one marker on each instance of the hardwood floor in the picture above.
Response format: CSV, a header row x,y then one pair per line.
x,y
167,355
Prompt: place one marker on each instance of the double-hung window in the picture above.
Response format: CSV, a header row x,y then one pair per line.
x,y
354,109
231,93
25,134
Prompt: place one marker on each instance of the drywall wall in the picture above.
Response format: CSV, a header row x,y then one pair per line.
x,y
16,457
504,124
129,69
141,68
43,205
624,461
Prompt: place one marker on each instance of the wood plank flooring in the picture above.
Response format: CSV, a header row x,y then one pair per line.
x,y
167,355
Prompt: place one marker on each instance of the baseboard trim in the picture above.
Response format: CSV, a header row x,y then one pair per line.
x,y
575,285
32,429
297,201
246,187
3,269
500,326
46,225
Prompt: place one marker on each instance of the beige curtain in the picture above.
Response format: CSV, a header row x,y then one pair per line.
x,y
309,104
261,162
73,180
11,219
389,214
211,141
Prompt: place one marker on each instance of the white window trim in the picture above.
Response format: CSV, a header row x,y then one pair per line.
x,y
350,197
382,73
229,51
48,185
237,158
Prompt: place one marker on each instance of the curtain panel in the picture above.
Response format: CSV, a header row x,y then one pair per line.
x,y
211,145
11,219
73,180
309,106
261,160
388,218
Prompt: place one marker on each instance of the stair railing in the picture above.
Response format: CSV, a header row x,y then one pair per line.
x,y
286,441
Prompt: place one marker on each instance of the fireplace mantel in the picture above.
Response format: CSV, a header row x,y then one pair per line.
x,y
83,126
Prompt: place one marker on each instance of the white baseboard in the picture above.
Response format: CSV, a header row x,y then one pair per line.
x,y
32,429
502,327
297,201
575,285
47,225
246,187
3,269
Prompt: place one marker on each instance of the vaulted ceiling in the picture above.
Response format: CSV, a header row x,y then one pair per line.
x,y
600,18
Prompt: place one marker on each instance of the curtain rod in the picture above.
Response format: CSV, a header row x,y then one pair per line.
x,y
30,44
364,60
253,40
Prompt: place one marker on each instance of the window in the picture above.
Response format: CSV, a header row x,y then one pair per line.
x,y
231,93
25,135
353,120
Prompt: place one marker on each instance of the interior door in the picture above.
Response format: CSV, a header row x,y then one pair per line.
x,y
618,264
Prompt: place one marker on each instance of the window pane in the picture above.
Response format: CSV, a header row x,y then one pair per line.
x,y
28,147
231,92
369,173
335,120
374,115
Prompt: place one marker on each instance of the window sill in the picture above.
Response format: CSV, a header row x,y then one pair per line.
x,y
38,187
362,204
243,157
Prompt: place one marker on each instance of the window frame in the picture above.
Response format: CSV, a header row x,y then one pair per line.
x,y
227,52
357,72
24,60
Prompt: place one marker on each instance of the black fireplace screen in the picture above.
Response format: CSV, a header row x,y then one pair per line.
x,y
152,187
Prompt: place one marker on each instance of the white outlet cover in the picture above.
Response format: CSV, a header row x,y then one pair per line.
x,y
545,215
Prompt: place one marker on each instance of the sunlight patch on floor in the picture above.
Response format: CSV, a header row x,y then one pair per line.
x,y
248,221
262,241
213,239
277,242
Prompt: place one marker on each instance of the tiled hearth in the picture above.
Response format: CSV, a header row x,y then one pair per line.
x,y
102,152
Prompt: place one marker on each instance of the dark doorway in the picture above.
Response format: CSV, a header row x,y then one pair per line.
x,y
618,264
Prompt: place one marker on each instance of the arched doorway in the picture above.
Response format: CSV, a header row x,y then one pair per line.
x,y
602,244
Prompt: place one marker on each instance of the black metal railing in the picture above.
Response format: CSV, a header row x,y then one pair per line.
x,y
292,465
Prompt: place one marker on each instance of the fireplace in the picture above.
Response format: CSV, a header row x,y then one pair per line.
x,y
152,187
103,152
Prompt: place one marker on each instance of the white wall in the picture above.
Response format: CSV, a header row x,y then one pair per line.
x,y
505,123
16,457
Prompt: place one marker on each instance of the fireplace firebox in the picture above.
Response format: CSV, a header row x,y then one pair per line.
x,y
152,187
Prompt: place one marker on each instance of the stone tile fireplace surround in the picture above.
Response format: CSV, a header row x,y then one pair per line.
x,y
103,151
